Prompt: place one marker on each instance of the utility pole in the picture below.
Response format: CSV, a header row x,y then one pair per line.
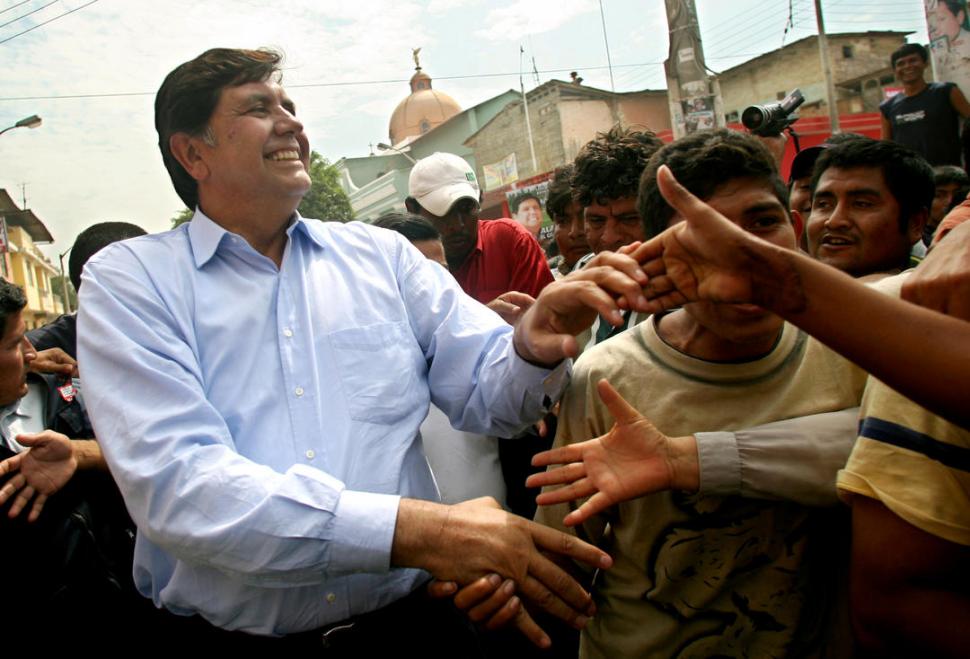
x,y
823,51
528,122
695,102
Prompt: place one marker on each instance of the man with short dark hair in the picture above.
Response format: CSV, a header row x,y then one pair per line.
x,y
527,209
947,179
276,371
66,538
606,173
870,201
488,258
569,226
924,116
706,575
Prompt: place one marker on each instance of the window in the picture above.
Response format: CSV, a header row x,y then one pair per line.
x,y
847,52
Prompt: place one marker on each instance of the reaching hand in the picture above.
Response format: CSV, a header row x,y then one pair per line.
x,y
632,460
474,539
510,306
54,360
546,334
942,280
42,469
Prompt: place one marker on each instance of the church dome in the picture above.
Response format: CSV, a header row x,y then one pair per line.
x,y
422,110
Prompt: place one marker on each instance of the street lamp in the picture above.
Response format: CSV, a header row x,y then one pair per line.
x,y
33,121
387,147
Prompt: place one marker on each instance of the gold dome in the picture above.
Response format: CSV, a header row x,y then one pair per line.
x,y
422,110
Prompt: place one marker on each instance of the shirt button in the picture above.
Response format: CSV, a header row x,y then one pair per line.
x,y
287,332
331,598
310,454
298,391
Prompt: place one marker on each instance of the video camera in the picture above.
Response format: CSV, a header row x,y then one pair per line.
x,y
770,119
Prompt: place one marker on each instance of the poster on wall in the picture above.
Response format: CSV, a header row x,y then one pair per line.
x,y
528,208
948,25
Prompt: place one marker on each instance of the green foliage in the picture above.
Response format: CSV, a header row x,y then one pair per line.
x,y
182,217
57,285
326,200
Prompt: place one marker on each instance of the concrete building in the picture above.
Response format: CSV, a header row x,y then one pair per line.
x,y
26,266
564,117
378,183
860,70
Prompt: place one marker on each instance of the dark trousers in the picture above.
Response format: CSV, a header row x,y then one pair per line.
x,y
416,625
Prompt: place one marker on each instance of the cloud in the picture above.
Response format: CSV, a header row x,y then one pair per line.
x,y
525,17
444,6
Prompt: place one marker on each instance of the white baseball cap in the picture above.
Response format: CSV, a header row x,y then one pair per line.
x,y
440,180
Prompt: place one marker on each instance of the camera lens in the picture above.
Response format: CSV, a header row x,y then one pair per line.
x,y
753,117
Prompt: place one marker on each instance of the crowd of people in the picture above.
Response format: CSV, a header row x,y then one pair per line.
x,y
744,399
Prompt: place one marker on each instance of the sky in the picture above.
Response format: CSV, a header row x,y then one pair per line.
x,y
90,70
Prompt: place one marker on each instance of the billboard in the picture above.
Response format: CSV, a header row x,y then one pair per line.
x,y
528,207
948,24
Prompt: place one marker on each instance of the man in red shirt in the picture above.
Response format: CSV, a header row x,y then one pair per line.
x,y
488,258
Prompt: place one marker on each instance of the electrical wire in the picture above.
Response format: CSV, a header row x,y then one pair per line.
x,y
33,11
14,6
50,20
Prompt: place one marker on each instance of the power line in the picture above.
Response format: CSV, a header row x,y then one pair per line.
x,y
14,6
351,83
50,20
34,11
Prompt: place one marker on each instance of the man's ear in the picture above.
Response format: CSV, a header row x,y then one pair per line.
x,y
412,205
798,222
914,229
186,150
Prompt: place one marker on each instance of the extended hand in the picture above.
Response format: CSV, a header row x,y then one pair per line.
x,y
632,460
42,469
465,542
704,257
54,360
510,306
942,280
546,333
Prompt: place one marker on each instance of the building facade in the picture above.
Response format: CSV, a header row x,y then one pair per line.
x,y
25,265
860,70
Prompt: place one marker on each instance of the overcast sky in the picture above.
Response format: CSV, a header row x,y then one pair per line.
x,y
92,74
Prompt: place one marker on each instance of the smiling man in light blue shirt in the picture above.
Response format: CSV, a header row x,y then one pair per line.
x,y
257,381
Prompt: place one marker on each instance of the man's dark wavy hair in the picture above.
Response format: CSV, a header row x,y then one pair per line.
x,y
560,191
609,167
190,93
12,301
907,174
411,226
702,162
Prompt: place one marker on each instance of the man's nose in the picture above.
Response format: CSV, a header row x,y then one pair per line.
x,y
839,217
288,123
28,350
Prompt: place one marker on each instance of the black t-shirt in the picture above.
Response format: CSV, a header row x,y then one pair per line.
x,y
59,333
926,123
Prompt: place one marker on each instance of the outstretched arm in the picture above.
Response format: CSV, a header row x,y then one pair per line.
x,y
632,460
49,462
707,257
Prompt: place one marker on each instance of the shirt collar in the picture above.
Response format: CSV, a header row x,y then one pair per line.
x,y
205,236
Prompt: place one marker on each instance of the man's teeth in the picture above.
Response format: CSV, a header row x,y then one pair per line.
x,y
833,240
284,155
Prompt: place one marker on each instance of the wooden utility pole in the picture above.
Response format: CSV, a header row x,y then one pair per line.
x,y
823,51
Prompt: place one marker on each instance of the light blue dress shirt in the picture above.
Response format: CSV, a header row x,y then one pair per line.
x,y
262,423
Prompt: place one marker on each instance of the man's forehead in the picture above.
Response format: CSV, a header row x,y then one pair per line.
x,y
613,206
255,91
740,196
849,179
15,327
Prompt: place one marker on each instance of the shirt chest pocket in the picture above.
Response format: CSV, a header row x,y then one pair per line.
x,y
378,367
